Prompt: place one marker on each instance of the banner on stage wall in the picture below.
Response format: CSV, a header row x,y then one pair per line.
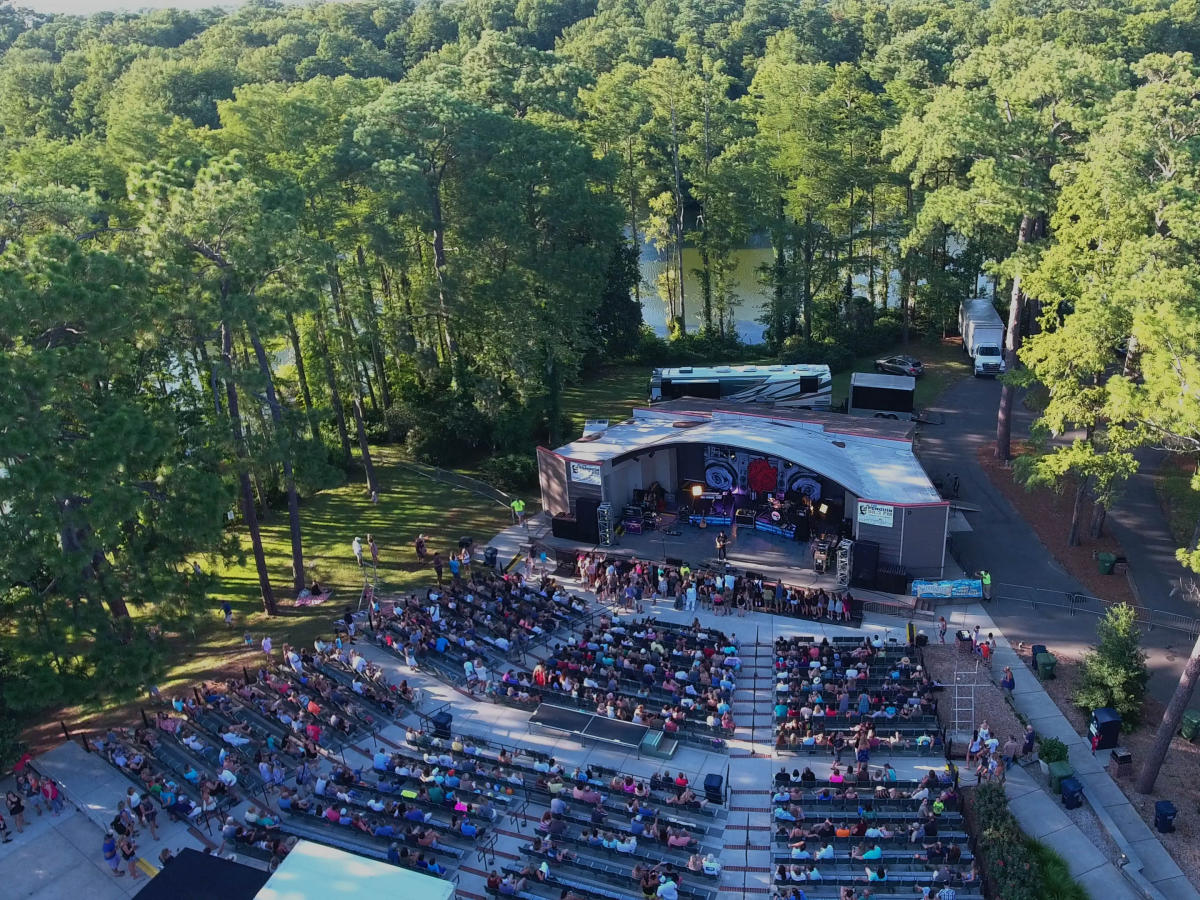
x,y
875,514
585,473
955,589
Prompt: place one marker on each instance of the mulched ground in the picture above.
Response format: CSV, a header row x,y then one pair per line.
x,y
990,703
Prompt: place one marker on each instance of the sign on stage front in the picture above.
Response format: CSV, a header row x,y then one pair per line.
x,y
875,514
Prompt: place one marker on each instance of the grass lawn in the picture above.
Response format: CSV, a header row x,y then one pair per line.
x,y
1180,503
944,363
408,504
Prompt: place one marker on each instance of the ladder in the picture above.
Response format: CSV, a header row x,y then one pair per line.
x,y
966,677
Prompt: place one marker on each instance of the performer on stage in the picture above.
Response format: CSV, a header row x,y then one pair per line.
x,y
722,541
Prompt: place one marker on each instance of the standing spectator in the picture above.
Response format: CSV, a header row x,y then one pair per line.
x,y
129,853
374,548
266,646
27,783
110,854
16,809
985,579
437,567
356,549
941,629
421,548
52,796
228,611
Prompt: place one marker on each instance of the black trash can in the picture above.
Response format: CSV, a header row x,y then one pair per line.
x,y
1164,816
489,557
1072,792
1033,654
713,792
441,722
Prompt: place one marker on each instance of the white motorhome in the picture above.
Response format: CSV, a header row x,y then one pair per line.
x,y
881,396
983,336
792,386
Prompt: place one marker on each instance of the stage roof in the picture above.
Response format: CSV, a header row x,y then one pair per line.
x,y
882,469
202,876
316,872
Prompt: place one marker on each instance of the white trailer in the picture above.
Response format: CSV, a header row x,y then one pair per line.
x,y
881,396
791,386
983,336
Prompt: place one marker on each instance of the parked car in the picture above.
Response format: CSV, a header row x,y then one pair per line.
x,y
900,365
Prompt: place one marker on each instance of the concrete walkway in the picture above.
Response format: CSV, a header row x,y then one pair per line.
x,y
1150,871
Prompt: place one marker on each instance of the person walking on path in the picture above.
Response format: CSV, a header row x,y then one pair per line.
x,y
518,508
228,611
266,646
356,548
374,548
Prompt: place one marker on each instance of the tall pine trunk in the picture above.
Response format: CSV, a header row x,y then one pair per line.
x,y
1016,315
371,320
678,223
302,377
249,513
1170,722
289,479
1077,510
443,292
335,397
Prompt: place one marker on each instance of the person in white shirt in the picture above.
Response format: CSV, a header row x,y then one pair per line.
x,y
825,852
228,778
627,844
667,889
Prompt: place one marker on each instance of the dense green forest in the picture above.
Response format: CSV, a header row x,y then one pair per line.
x,y
239,249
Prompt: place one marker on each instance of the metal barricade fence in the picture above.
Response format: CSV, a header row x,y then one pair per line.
x,y
1075,603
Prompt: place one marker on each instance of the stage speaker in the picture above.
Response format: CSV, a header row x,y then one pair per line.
x,y
564,526
864,562
588,530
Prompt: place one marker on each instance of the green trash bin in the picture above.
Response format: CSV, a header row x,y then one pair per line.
x,y
1045,666
1190,726
1105,562
1059,771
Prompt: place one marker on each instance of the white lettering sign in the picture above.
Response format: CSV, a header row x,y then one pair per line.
x,y
585,474
875,514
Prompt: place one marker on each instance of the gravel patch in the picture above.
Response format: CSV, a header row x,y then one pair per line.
x,y
990,703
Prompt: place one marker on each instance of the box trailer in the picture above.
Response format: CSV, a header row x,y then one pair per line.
x,y
881,396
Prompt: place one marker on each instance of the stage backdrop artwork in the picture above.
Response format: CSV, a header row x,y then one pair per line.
x,y
762,476
730,470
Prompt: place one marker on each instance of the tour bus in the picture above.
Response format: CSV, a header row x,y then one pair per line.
x,y
794,386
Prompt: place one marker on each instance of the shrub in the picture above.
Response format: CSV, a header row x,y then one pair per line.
x,y
1114,673
1052,750
836,356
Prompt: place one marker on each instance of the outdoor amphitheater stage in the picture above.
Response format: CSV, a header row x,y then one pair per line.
x,y
774,557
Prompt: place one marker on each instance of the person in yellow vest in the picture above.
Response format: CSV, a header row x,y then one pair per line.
x,y
518,508
985,578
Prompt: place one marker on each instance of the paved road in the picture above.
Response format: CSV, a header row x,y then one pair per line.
x,y
1003,543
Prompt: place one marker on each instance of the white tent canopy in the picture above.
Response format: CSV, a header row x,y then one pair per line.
x,y
872,468
316,872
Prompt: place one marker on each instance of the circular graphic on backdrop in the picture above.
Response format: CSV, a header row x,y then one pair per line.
x,y
719,475
806,486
